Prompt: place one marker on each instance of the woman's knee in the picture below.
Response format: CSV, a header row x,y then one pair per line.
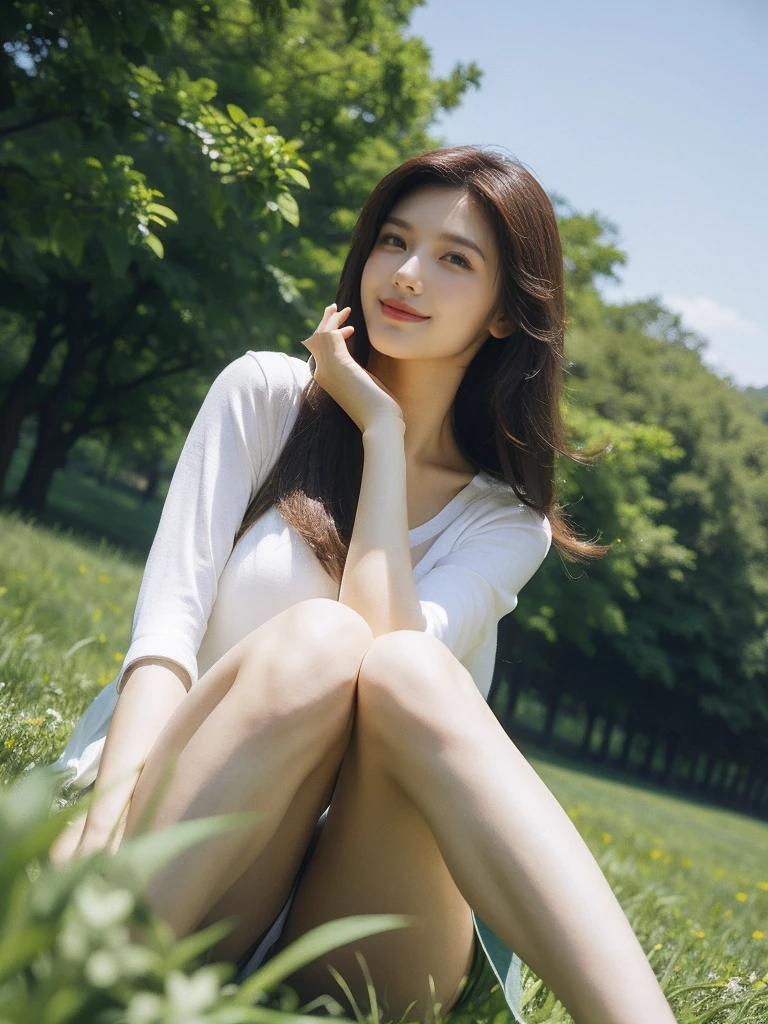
x,y
408,685
305,665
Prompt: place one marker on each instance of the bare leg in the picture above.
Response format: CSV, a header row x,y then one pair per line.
x,y
282,717
514,853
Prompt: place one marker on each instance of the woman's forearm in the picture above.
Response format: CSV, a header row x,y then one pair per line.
x,y
151,693
378,578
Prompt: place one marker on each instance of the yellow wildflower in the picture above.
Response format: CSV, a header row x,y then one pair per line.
x,y
655,854
763,886
102,638
46,678
104,578
119,656
758,935
699,935
97,613
103,678
742,897
32,721
606,837
9,743
677,967
82,568
658,945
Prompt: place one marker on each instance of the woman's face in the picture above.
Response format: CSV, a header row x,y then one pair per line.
x,y
446,280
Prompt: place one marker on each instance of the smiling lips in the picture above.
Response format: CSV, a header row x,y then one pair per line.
x,y
398,312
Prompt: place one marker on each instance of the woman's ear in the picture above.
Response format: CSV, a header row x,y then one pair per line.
x,y
502,327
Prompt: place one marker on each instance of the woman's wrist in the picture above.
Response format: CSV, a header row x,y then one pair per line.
x,y
388,424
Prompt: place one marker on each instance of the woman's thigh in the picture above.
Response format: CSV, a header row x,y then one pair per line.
x,y
377,855
256,897
279,683
333,638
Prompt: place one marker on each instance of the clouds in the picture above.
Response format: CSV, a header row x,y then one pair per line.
x,y
707,316
738,347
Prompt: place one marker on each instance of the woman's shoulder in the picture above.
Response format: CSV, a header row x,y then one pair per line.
x,y
496,506
277,369
263,378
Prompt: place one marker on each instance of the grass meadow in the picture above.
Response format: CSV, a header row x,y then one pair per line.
x,y
692,880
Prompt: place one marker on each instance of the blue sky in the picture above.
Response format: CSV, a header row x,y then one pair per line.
x,y
653,115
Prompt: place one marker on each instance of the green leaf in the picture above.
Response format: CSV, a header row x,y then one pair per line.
x,y
76,646
288,207
69,236
64,1005
252,130
191,947
315,943
236,113
145,855
299,177
163,211
154,244
117,249
17,950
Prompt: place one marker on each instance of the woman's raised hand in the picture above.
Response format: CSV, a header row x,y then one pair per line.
x,y
359,393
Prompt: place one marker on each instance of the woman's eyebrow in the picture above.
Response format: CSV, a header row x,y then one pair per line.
x,y
447,235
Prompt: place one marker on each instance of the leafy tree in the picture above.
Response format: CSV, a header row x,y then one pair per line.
x,y
152,106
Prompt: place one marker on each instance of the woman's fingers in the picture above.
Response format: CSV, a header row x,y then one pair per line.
x,y
333,316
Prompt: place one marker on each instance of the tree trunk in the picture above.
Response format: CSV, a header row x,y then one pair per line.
x,y
20,397
605,742
645,768
702,762
626,747
513,697
671,745
725,779
710,781
549,723
153,481
754,791
742,783
586,740
52,443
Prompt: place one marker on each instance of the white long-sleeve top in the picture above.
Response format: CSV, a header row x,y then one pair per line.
x,y
199,597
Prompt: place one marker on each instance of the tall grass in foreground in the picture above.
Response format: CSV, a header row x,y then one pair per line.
x,y
692,880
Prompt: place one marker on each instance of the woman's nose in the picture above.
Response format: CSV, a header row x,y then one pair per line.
x,y
408,273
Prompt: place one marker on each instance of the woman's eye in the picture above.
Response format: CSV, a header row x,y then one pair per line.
x,y
389,236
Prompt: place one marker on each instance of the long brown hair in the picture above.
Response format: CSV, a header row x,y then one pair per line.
x,y
506,414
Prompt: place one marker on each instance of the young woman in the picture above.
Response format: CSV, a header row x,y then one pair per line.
x,y
315,633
